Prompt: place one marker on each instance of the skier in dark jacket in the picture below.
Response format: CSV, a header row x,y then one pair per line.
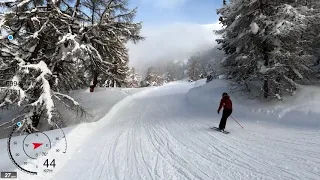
x,y
226,103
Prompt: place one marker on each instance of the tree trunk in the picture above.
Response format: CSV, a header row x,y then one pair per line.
x,y
95,81
93,12
266,87
278,85
266,77
49,5
35,120
266,58
76,8
39,46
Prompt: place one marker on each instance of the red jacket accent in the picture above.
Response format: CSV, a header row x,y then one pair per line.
x,y
226,103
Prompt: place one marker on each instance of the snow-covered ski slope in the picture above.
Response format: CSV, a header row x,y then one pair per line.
x,y
164,133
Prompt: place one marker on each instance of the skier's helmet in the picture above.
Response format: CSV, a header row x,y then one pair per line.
x,y
224,94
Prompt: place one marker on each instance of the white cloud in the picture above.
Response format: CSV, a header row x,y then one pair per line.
x,y
175,41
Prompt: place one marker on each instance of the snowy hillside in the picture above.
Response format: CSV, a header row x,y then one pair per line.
x,y
301,110
95,104
164,133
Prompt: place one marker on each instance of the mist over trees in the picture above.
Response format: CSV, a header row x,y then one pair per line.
x,y
205,63
60,46
153,78
193,68
133,79
194,65
271,46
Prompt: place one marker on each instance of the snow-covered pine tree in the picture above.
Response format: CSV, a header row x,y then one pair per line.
x,y
159,80
194,68
170,72
55,49
180,70
208,61
133,80
153,78
149,80
111,28
174,70
312,36
37,60
263,42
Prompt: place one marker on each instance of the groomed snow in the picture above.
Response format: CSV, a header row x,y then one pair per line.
x,y
164,133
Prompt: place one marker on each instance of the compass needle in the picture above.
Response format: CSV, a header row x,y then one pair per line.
x,y
36,145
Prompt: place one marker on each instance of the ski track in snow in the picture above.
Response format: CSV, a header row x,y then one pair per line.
x,y
155,136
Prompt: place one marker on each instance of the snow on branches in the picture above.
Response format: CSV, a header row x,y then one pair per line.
x,y
275,37
134,79
153,78
59,46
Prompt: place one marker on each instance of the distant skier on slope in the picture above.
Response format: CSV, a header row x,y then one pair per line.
x,y
227,110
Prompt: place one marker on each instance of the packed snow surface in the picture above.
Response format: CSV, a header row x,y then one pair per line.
x,y
164,133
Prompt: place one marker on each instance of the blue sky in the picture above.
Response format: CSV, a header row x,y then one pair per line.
x,y
161,12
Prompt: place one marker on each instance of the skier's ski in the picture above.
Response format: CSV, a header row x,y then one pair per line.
x,y
217,129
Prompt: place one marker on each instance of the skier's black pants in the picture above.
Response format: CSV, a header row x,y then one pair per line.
x,y
226,113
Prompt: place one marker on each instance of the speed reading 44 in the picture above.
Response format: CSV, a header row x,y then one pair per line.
x,y
36,152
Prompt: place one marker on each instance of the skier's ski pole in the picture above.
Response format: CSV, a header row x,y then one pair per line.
x,y
236,121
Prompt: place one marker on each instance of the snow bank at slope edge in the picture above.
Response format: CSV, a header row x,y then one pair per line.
x,y
302,110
